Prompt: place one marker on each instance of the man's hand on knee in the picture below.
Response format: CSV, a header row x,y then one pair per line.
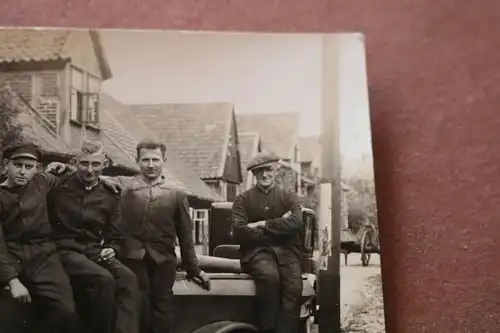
x,y
19,292
107,255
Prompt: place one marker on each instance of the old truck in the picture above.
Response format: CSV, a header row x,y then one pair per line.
x,y
228,306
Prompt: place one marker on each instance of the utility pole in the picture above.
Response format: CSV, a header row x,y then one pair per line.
x,y
330,207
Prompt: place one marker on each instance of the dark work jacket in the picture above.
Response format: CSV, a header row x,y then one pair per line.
x,y
153,214
81,219
24,226
281,234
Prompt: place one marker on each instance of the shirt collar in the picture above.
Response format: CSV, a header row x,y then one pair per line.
x,y
265,190
157,181
76,181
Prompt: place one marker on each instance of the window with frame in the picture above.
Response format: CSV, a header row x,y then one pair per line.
x,y
84,99
77,90
94,86
200,225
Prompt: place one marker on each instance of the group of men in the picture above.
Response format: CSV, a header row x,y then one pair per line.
x,y
82,252
92,254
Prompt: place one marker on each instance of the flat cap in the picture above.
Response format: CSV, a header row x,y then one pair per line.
x,y
22,150
262,159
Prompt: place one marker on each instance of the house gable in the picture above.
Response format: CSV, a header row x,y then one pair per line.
x,y
232,172
84,49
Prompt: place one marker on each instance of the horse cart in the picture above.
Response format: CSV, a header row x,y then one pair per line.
x,y
361,239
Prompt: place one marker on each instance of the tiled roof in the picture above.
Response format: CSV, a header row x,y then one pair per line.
x,y
114,137
34,127
277,130
309,148
28,45
196,132
32,45
124,131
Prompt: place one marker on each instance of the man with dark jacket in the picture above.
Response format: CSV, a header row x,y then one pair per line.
x,y
86,217
153,214
267,220
29,263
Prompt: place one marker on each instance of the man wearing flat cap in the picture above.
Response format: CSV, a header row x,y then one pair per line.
x,y
267,220
30,268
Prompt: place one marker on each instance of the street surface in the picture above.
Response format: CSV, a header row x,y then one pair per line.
x,y
362,308
361,296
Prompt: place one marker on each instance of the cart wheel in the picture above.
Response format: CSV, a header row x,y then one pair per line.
x,y
366,243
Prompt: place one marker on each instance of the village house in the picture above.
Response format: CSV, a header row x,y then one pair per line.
x,y
55,76
59,74
52,79
310,151
204,135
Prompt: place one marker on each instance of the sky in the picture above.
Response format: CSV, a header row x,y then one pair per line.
x,y
258,73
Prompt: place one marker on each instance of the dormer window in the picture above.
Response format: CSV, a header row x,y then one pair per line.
x,y
85,90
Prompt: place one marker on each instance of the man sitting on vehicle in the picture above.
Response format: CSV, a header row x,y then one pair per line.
x,y
270,245
29,263
153,214
86,219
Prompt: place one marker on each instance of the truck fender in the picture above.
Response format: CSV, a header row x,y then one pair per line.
x,y
227,327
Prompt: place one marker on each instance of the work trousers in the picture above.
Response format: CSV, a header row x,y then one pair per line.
x,y
155,282
278,286
52,308
106,295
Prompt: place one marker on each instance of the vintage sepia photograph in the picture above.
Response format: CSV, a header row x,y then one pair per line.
x,y
186,182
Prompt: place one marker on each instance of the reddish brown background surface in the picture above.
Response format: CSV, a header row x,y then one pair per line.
x,y
434,73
